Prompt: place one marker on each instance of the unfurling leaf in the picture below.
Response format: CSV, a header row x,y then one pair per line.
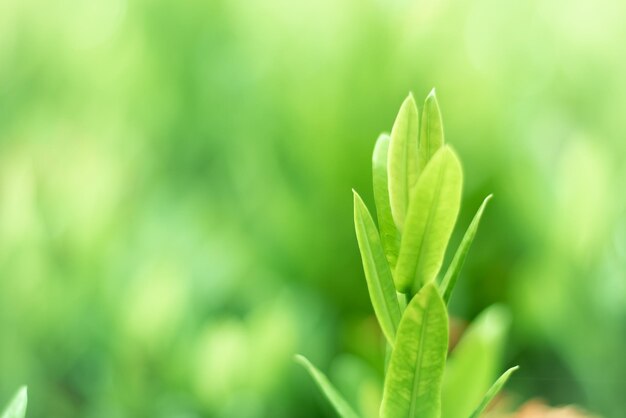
x,y
389,234
431,133
377,272
402,159
413,381
429,223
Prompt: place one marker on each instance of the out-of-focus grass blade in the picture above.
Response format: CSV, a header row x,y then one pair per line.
x,y
493,391
452,274
389,234
430,220
359,383
474,363
413,382
377,272
17,406
431,131
334,397
402,159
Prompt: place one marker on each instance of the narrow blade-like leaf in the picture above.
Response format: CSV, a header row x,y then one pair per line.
x,y
431,131
430,220
389,234
474,363
413,381
359,383
377,272
452,274
402,159
493,391
17,406
334,397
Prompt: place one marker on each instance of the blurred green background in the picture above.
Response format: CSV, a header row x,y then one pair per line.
x,y
175,205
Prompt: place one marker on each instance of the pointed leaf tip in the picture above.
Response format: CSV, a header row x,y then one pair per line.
x,y
431,133
389,234
454,270
402,161
493,391
430,220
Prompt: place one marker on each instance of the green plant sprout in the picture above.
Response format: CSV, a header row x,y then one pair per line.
x,y
17,406
417,181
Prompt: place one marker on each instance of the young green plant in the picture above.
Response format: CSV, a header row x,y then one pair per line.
x,y
417,181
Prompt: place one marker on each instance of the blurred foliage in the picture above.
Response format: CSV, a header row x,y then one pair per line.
x,y
175,206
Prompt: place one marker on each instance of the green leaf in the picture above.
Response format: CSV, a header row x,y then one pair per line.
x,y
389,234
474,362
452,274
431,133
17,406
413,382
493,391
402,159
338,402
430,220
359,382
377,272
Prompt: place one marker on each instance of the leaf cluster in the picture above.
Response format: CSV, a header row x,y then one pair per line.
x,y
417,181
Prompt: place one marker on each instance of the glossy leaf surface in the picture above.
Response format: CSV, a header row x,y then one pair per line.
x,y
431,131
389,234
413,382
377,272
430,220
402,159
